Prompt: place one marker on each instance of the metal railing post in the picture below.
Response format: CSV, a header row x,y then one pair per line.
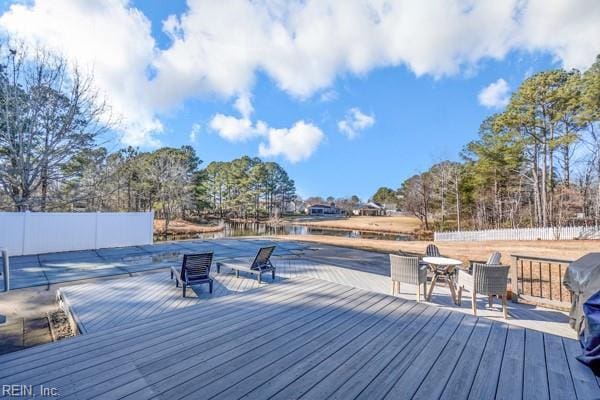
x,y
5,269
514,279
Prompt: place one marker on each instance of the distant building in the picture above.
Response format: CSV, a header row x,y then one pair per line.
x,y
323,209
371,209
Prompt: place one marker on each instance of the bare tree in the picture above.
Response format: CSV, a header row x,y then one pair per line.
x,y
48,113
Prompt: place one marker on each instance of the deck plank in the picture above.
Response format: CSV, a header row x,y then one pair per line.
x,y
306,338
296,380
535,377
465,369
510,382
486,379
242,368
409,382
324,386
560,381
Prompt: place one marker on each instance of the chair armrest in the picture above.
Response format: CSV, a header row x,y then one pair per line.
x,y
176,273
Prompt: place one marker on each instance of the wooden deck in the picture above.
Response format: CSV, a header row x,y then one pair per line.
x,y
102,305
98,306
312,339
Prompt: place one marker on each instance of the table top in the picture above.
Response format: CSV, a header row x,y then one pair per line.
x,y
442,261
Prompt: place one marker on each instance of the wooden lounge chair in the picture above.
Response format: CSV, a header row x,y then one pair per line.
x,y
488,280
257,266
408,270
195,269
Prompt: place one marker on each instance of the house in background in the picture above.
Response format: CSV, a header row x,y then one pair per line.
x,y
323,209
370,209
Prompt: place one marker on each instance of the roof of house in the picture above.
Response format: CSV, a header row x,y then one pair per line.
x,y
371,205
321,206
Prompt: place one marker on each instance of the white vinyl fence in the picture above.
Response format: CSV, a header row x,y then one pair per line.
x,y
564,233
36,232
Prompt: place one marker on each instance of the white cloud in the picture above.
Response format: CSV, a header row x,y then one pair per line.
x,y
295,144
233,129
109,38
244,105
303,46
354,122
328,95
495,95
195,132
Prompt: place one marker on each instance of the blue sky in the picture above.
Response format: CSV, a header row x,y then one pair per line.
x,y
412,95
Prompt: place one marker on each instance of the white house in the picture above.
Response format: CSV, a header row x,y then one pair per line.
x,y
371,208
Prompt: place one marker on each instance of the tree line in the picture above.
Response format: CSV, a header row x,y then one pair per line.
x,y
535,164
245,188
52,123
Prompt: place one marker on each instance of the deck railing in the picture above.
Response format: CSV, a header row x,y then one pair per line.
x,y
540,280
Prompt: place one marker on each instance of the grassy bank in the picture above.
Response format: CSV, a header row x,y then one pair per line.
x,y
562,249
401,224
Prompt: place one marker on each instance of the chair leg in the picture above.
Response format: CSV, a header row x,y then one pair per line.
x,y
418,292
218,268
398,288
184,287
474,303
490,301
237,273
504,306
425,290
459,296
210,287
273,273
259,278
431,286
450,283
392,287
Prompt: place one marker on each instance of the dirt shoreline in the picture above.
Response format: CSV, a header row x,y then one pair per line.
x,y
181,227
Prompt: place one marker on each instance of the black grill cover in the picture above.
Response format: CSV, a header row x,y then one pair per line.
x,y
590,337
583,279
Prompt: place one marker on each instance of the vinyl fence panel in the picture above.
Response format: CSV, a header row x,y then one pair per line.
x,y
37,233
554,233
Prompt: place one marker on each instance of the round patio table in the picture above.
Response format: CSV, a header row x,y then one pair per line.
x,y
442,267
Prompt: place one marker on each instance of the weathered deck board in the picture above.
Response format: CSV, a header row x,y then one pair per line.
x,y
106,304
303,337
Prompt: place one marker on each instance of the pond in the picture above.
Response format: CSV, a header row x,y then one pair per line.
x,y
234,229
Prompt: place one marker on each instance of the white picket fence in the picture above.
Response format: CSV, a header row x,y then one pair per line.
x,y
562,233
36,232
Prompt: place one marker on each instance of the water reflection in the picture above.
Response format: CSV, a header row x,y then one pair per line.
x,y
233,229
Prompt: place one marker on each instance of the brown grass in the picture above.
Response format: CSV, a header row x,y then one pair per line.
x,y
400,224
181,227
465,251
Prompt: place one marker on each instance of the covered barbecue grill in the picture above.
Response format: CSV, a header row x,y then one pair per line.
x,y
582,278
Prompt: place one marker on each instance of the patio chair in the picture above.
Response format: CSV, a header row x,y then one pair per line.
x,y
195,269
432,251
260,264
408,270
493,259
488,280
